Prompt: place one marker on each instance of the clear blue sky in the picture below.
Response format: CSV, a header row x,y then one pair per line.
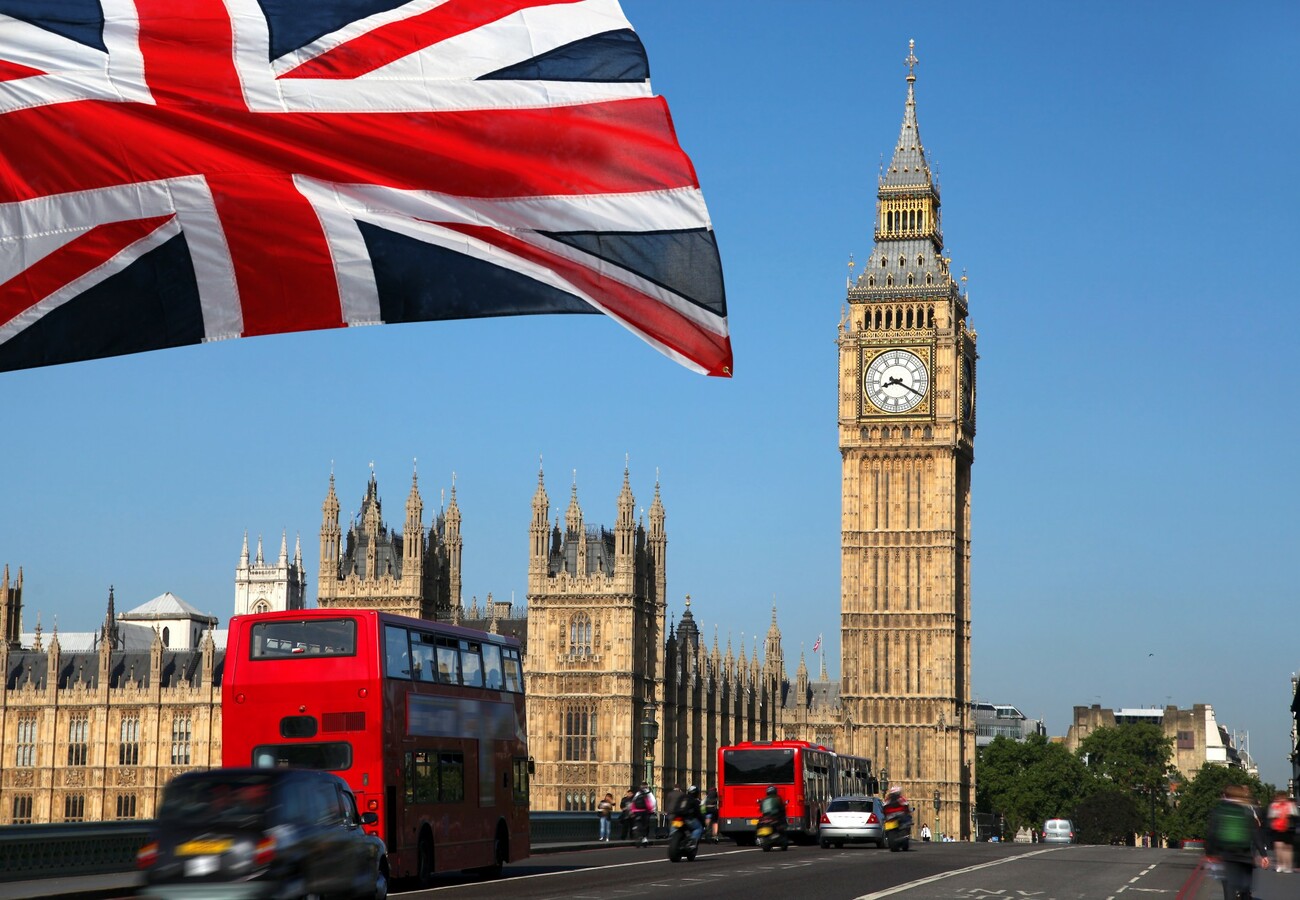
x,y
1118,178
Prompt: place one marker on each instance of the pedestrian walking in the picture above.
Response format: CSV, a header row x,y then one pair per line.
x,y
604,810
1236,840
625,815
1281,827
711,814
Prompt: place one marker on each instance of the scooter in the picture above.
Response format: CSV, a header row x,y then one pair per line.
x,y
768,834
898,827
681,841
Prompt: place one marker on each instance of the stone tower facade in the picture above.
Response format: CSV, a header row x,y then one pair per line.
x,y
907,436
596,625
260,587
11,609
599,656
411,573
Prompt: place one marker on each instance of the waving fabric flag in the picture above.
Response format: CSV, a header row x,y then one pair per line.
x,y
180,171
817,644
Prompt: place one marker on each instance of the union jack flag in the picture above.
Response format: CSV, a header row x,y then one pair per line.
x,y
180,171
817,644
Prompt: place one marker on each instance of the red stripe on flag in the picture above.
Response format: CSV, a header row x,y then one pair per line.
x,y
70,262
198,69
623,146
12,71
651,317
393,41
282,262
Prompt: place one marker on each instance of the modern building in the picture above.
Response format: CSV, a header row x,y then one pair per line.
x,y
1196,734
906,400
994,720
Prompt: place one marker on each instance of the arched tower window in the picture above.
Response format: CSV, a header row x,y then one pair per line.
x,y
578,741
166,636
580,635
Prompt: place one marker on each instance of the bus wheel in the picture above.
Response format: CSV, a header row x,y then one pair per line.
x,y
500,852
424,861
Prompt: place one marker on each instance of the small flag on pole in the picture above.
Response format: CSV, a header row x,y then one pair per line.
x,y
817,644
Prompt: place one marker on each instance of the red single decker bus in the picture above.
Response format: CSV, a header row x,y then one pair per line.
x,y
425,721
806,775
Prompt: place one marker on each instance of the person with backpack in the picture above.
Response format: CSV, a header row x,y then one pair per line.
x,y
1234,838
643,809
1281,826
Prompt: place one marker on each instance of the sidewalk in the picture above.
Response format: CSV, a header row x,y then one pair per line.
x,y
1269,885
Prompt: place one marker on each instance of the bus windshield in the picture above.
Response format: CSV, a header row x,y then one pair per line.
x,y
294,639
758,767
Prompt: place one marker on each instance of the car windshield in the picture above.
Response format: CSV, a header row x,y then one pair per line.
x,y
850,806
238,800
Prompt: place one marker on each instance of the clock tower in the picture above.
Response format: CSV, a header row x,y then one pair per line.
x,y
907,439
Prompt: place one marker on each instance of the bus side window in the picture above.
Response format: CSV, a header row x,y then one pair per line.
x,y
492,666
448,665
514,677
471,665
397,652
423,656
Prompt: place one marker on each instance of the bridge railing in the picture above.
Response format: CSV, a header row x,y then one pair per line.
x,y
35,852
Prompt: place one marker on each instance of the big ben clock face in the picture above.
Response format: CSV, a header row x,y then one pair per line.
x,y
896,381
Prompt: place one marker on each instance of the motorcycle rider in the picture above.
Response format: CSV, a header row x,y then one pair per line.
x,y
773,807
688,807
895,800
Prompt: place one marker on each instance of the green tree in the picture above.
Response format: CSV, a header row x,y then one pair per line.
x,y
1029,781
1197,798
1109,816
1131,757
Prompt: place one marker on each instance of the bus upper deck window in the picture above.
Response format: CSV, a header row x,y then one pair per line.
x,y
397,652
492,667
471,665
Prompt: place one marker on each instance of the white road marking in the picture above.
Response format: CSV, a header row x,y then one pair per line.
x,y
942,875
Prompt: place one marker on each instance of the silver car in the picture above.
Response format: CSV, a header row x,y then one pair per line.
x,y
1058,831
854,819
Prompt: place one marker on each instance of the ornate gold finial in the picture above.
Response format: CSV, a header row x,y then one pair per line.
x,y
688,601
911,60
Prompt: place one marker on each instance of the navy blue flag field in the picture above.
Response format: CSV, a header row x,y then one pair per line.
x,y
175,173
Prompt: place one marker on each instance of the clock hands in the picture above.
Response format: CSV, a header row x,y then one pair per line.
x,y
898,381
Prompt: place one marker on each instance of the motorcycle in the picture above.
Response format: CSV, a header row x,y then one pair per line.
x,y
898,827
769,833
681,841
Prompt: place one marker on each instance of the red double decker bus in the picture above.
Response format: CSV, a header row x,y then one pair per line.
x,y
806,775
424,720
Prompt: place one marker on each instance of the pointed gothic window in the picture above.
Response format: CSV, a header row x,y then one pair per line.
x,y
26,750
580,635
579,738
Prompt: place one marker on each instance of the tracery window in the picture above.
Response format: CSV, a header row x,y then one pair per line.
x,y
128,749
78,728
580,635
26,753
181,740
578,740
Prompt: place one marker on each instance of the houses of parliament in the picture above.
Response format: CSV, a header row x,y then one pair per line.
x,y
93,724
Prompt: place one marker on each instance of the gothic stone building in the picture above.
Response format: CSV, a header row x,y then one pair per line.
x,y
412,573
94,734
907,439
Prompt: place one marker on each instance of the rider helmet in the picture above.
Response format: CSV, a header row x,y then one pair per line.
x,y
771,790
693,790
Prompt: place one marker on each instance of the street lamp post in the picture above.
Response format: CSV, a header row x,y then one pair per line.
x,y
649,734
